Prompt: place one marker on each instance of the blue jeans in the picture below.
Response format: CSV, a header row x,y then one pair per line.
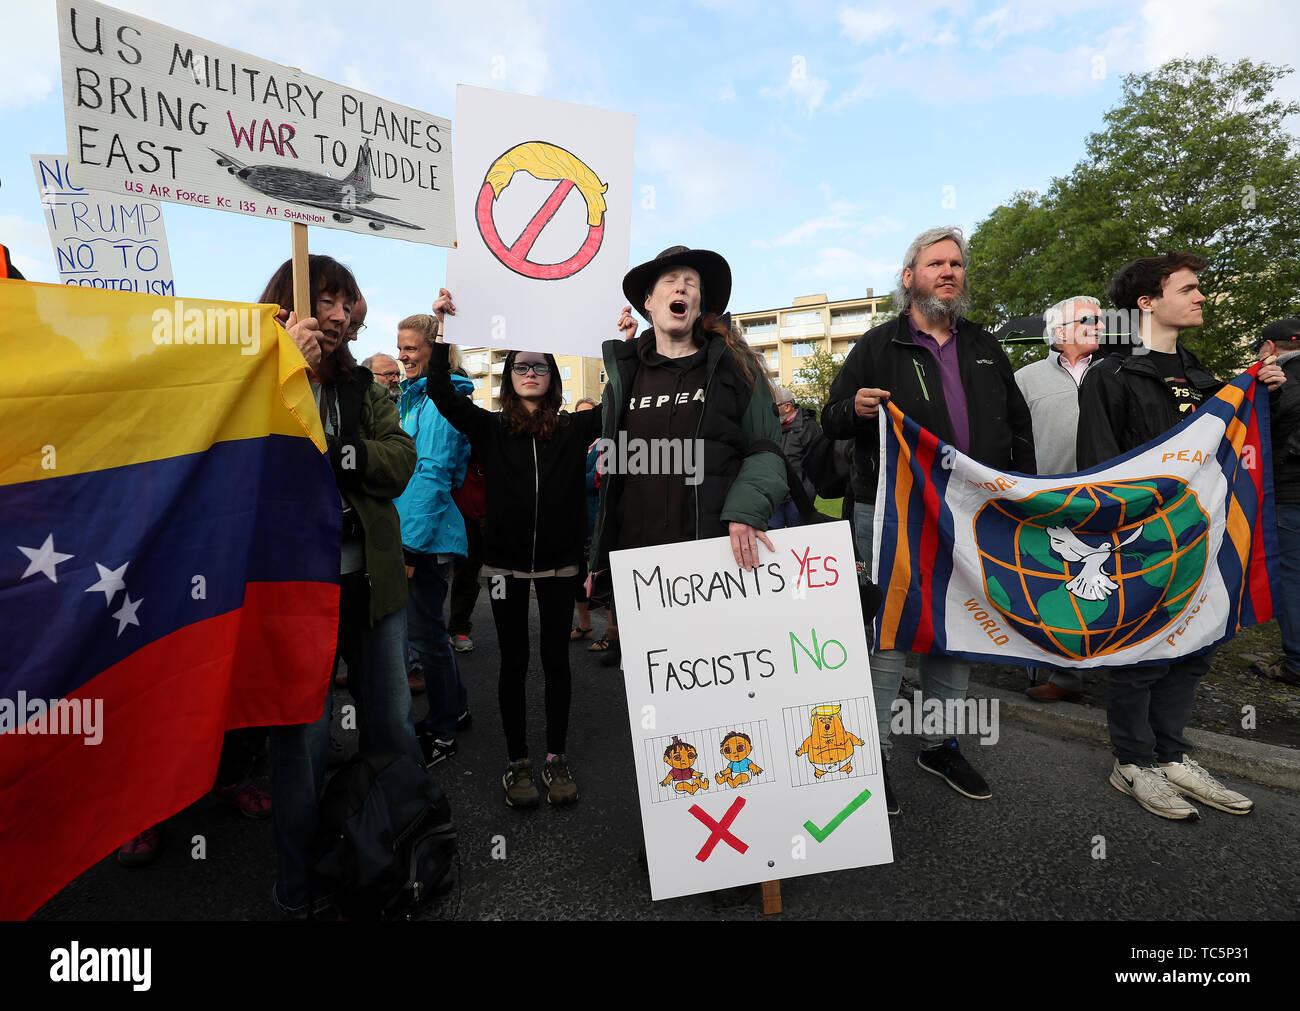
x,y
942,677
1288,606
432,647
376,660
786,515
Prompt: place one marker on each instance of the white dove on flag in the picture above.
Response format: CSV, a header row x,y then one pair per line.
x,y
1092,583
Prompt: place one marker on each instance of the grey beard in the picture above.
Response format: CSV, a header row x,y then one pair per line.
x,y
933,307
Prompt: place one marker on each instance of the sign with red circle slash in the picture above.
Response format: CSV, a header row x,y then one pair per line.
x,y
542,161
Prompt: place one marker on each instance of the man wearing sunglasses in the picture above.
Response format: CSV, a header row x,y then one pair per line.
x,y
1072,329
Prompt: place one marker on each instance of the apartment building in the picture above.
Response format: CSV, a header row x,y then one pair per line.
x,y
580,377
810,323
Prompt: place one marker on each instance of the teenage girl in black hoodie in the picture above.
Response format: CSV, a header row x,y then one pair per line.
x,y
534,466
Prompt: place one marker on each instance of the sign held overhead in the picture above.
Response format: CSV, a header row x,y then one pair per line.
x,y
153,112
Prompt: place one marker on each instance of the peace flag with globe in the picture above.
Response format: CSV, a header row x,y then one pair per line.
x,y
1161,553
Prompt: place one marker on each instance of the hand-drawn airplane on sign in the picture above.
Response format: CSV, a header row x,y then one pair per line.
x,y
342,197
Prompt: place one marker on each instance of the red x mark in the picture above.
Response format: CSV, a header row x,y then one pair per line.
x,y
718,831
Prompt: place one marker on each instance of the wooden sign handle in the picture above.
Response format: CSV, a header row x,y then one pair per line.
x,y
302,304
771,897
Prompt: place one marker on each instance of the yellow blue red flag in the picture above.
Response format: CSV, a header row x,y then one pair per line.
x,y
168,562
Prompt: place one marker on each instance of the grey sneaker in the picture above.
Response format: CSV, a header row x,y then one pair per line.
x,y
1152,790
560,787
462,644
1191,780
521,791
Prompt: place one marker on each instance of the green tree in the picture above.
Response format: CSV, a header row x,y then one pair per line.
x,y
1196,158
811,384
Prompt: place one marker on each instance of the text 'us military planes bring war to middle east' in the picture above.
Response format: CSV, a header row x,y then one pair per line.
x,y
344,197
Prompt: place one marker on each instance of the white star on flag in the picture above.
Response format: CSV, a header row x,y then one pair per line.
x,y
110,581
44,559
125,614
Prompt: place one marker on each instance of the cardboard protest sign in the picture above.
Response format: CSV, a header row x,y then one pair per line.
x,y
102,240
157,113
548,188
753,722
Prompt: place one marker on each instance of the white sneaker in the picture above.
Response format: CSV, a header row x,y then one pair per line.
x,y
1152,790
1191,780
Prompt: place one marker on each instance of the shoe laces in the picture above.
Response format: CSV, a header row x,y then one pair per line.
x,y
952,753
521,773
1160,784
558,768
1201,774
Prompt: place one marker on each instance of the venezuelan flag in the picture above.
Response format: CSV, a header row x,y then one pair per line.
x,y
168,558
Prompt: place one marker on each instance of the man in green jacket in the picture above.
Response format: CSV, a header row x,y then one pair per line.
x,y
372,460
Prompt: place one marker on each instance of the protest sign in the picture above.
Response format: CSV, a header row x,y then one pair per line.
x,y
157,113
548,188
102,240
754,733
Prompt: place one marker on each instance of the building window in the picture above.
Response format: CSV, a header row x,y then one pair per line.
x,y
849,316
760,326
568,397
802,318
602,375
803,350
566,372
478,383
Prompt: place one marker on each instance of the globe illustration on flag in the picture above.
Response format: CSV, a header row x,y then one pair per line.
x,y
1091,569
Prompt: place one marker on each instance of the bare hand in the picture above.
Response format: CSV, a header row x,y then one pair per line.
x,y
307,336
626,324
410,572
867,403
443,305
744,544
1271,374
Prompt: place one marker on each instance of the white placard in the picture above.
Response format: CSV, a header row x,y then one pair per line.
x,y
779,655
102,240
157,113
544,197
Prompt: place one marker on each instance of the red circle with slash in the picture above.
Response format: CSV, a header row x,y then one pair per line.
x,y
516,256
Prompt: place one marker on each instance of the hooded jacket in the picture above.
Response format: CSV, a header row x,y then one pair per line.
x,y
431,522
887,358
370,477
535,488
1124,403
743,470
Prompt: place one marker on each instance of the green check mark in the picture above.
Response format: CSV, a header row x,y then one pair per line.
x,y
820,834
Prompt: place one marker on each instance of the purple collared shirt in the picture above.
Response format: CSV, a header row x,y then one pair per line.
x,y
954,394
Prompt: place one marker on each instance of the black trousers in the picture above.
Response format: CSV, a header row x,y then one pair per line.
x,y
510,614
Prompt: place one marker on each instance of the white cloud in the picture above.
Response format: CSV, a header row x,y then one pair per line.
x,y
728,93
29,71
805,88
866,25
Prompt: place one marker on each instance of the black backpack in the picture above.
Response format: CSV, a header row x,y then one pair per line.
x,y
386,841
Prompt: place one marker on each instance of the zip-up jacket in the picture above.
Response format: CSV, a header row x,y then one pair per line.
x,y
743,470
431,522
535,488
370,477
1052,393
1124,403
1284,412
887,358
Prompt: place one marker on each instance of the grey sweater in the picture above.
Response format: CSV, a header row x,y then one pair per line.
x,y
1053,398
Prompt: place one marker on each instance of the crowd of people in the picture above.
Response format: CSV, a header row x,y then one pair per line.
x,y
437,494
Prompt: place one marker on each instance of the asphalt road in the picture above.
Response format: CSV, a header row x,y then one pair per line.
x,y
1027,854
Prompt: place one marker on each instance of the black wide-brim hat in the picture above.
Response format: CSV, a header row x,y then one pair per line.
x,y
715,276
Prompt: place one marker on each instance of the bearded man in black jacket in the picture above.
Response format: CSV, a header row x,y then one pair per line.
x,y
953,379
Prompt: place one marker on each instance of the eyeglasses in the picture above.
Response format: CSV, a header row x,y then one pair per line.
x,y
356,328
386,375
1087,320
538,368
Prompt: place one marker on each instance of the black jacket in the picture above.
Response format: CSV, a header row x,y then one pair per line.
x,y
1124,403
796,440
886,358
536,489
1284,413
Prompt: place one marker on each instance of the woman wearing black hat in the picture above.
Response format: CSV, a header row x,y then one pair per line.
x,y
688,378
534,467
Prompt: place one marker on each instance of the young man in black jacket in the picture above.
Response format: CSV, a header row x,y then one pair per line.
x,y
954,379
1127,399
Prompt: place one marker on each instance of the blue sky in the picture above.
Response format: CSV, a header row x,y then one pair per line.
x,y
806,142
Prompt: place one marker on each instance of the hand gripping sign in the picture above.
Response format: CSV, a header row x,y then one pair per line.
x,y
542,161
